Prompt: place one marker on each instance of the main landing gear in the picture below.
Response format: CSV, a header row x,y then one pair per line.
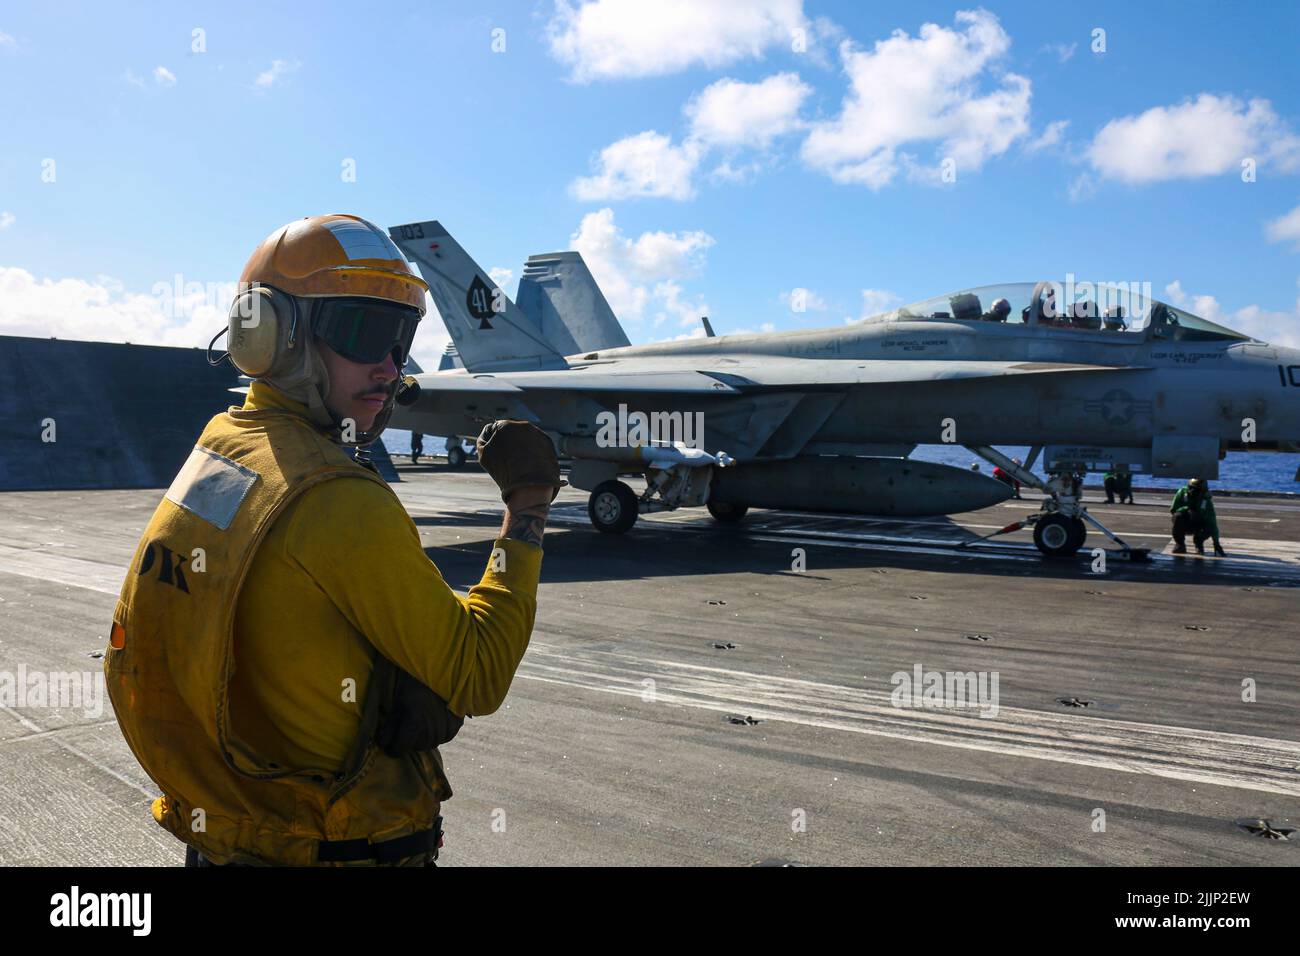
x,y
613,507
676,477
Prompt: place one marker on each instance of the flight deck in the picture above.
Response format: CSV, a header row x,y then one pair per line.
x,y
697,693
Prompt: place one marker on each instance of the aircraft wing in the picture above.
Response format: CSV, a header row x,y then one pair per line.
x,y
720,375
582,379
764,408
805,373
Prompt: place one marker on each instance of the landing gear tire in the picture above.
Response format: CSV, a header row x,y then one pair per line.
x,y
1078,534
1058,536
456,457
726,513
612,507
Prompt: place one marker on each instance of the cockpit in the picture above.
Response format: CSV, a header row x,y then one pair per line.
x,y
1125,309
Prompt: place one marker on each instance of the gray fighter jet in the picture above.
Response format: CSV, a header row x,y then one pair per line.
x,y
1092,377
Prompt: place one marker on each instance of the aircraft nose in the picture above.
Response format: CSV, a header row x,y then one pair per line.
x,y
1290,359
1288,371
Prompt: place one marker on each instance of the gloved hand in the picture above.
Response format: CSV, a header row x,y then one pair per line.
x,y
517,454
420,719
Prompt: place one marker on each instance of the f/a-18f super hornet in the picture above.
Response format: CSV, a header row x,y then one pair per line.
x,y
1092,377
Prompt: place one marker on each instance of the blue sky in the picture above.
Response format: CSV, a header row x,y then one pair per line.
x,y
697,159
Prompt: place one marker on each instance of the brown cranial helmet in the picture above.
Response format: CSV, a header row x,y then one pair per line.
x,y
281,288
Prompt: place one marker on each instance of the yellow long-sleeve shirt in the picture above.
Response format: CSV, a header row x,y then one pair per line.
x,y
340,571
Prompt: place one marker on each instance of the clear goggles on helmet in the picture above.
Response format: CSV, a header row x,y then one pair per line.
x,y
366,330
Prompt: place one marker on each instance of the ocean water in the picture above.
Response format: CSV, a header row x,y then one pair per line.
x,y
1240,471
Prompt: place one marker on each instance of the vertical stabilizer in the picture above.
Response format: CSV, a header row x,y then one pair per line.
x,y
490,332
559,295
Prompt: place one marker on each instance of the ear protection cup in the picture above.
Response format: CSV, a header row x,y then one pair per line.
x,y
266,332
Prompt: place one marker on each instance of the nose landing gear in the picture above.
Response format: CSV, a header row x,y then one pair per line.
x,y
1061,527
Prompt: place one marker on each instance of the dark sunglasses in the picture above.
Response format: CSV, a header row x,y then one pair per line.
x,y
366,330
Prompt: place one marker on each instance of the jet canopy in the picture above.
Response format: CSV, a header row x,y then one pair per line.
x,y
1118,308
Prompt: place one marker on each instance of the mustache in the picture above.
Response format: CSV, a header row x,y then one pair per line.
x,y
378,390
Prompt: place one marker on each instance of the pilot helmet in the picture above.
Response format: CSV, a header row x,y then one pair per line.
x,y
1001,308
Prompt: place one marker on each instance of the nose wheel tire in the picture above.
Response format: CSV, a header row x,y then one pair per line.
x,y
726,513
1079,534
455,457
612,507
1058,536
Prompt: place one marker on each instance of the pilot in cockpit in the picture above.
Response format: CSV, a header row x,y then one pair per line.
x,y
1164,321
998,311
1047,313
1083,315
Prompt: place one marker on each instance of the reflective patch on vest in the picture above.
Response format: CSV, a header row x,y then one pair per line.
x,y
211,486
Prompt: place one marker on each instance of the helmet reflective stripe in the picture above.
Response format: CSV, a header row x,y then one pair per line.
x,y
337,255
361,240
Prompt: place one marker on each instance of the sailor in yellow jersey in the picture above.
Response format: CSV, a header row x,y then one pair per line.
x,y
284,659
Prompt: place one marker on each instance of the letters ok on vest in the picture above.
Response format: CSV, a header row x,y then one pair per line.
x,y
171,654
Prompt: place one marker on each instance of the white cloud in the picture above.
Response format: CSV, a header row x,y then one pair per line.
x,y
823,38
763,329
279,69
727,114
647,164
1202,137
1051,136
1081,187
1285,228
7,42
102,310
1268,325
875,301
500,275
668,255
7,219
1063,51
642,277
163,76
431,338
923,89
802,300
133,78
729,172
615,39
695,333
732,113
672,304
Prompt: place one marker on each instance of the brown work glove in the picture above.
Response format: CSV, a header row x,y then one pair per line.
x,y
419,719
517,454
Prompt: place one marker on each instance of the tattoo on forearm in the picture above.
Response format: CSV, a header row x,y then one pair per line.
x,y
526,524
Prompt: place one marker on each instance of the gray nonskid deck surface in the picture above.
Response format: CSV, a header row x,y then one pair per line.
x,y
624,739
